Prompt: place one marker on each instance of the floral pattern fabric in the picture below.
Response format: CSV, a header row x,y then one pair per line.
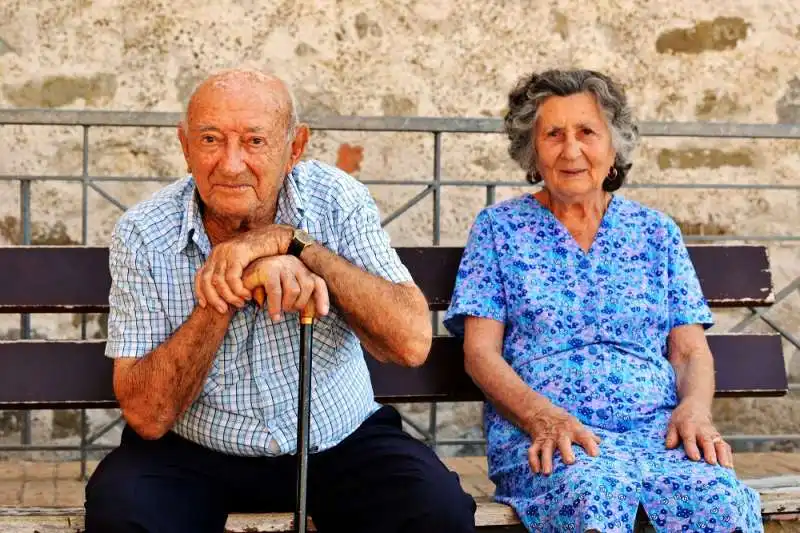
x,y
588,330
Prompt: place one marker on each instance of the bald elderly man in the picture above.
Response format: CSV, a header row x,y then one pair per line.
x,y
207,380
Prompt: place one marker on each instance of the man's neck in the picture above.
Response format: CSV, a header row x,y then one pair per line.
x,y
220,229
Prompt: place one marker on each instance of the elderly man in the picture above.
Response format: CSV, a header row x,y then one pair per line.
x,y
207,380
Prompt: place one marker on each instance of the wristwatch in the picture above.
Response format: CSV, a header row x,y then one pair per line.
x,y
300,239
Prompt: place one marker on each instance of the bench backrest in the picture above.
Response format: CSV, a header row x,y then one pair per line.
x,y
62,374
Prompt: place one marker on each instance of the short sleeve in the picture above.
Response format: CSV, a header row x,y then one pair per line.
x,y
137,323
687,305
479,290
366,244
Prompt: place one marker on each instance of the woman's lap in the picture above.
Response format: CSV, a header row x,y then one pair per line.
x,y
605,492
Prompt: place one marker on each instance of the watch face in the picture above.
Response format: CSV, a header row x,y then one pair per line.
x,y
304,237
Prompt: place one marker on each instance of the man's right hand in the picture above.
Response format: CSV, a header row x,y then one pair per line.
x,y
288,285
219,281
554,428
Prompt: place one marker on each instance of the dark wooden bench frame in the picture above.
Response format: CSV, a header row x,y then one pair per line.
x,y
57,374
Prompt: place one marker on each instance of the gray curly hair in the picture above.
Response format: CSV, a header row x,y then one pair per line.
x,y
525,100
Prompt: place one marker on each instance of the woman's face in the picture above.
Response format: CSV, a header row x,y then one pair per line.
x,y
573,145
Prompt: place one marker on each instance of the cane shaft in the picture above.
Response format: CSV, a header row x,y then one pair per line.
x,y
304,419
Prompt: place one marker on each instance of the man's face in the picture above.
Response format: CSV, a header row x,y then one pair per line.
x,y
235,143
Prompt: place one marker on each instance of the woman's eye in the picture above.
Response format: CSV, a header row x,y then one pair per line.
x,y
257,141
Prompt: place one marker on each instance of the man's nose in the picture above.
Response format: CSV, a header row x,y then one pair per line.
x,y
233,161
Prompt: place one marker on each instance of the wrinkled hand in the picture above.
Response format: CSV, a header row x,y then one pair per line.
x,y
219,281
553,428
288,285
691,423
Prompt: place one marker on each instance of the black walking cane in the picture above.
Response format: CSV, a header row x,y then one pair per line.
x,y
304,416
303,408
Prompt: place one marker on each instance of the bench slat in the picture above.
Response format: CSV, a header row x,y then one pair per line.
x,y
72,279
746,365
730,276
69,374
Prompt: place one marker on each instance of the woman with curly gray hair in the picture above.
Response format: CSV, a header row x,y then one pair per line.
x,y
583,323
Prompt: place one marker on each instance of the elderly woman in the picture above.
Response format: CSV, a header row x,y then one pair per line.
x,y
583,323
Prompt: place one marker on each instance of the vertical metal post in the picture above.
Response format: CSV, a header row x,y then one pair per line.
x,y
437,231
437,186
84,240
25,318
490,193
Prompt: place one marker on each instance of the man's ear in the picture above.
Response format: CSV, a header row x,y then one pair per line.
x,y
184,143
301,134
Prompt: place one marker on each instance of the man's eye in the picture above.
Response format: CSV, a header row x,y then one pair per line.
x,y
587,131
207,139
257,141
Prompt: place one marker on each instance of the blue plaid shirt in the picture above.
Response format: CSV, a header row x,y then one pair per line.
x,y
249,400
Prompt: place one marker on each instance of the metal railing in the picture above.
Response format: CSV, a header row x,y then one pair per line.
x,y
432,186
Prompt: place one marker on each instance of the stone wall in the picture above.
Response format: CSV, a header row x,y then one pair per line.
x,y
685,60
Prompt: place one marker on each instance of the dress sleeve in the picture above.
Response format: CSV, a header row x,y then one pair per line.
x,y
479,287
686,305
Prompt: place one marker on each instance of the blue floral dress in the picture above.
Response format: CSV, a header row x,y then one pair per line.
x,y
589,331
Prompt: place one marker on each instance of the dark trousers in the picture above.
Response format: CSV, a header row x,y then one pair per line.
x,y
377,480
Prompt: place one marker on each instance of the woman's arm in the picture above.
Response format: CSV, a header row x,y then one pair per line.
x,y
691,422
549,425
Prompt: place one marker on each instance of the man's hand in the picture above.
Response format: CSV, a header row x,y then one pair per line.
x,y
219,281
691,423
288,285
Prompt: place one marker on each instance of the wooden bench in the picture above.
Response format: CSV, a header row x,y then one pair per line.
x,y
60,374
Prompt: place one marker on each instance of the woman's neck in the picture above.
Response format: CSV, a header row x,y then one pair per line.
x,y
586,209
581,217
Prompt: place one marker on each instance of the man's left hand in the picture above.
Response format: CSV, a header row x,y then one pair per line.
x,y
691,423
219,281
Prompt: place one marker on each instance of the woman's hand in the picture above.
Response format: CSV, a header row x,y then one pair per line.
x,y
691,423
553,427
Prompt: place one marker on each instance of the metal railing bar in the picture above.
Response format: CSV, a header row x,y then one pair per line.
x,y
124,179
755,238
105,429
159,119
108,197
459,442
762,438
25,318
56,448
785,334
757,313
442,183
416,427
437,190
406,206
84,240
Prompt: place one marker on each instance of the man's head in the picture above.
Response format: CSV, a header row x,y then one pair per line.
x,y
241,137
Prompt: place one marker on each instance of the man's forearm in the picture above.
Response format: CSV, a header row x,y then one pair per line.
x,y
155,390
390,319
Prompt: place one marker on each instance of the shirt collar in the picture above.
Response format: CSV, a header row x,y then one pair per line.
x,y
290,210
